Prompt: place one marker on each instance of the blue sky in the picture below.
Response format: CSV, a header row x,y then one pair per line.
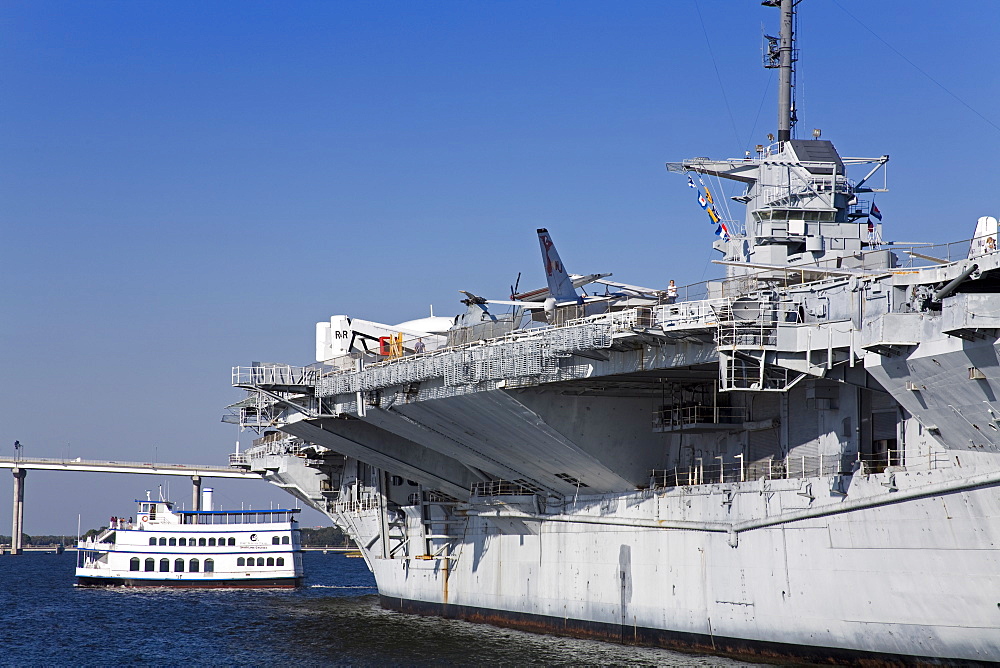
x,y
188,186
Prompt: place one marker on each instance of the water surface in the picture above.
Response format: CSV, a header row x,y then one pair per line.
x,y
334,620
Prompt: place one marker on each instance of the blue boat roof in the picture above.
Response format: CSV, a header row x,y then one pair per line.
x,y
237,512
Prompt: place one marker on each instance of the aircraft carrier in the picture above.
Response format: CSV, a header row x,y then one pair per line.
x,y
801,459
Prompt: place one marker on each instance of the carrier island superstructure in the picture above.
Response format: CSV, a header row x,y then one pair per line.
x,y
800,459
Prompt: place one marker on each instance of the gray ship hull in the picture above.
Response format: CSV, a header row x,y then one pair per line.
x,y
801,459
820,586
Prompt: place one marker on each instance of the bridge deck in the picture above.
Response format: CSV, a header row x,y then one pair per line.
x,y
100,466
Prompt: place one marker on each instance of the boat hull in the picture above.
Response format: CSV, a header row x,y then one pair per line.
x,y
874,582
693,643
244,583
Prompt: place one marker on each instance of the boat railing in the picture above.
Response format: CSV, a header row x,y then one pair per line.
x,y
699,414
349,505
914,256
722,469
275,374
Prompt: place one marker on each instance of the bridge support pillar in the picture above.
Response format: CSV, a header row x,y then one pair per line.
x,y
18,525
195,495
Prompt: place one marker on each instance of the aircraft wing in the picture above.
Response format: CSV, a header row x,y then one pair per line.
x,y
542,294
637,290
527,306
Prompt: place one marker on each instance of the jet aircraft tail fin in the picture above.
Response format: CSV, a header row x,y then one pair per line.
x,y
560,285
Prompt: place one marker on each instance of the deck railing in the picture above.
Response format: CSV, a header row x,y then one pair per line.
x,y
716,470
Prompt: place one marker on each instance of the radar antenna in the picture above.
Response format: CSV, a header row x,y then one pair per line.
x,y
781,55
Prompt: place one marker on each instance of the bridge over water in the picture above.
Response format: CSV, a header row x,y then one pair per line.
x,y
20,466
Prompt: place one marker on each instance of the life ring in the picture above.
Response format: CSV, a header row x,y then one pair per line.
x,y
144,518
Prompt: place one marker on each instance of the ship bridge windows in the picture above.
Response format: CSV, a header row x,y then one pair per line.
x,y
808,215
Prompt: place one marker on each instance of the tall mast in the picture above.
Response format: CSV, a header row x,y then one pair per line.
x,y
786,71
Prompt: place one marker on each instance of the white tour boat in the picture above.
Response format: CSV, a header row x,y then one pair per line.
x,y
194,548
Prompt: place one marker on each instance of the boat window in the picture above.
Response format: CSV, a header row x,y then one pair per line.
x,y
232,541
270,561
182,541
193,565
241,562
163,541
211,542
284,540
178,565
150,565
133,564
192,541
152,541
173,541
275,540
222,540
164,565
260,561
281,561
209,566
202,542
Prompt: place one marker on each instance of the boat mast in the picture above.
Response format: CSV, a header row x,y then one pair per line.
x,y
786,71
